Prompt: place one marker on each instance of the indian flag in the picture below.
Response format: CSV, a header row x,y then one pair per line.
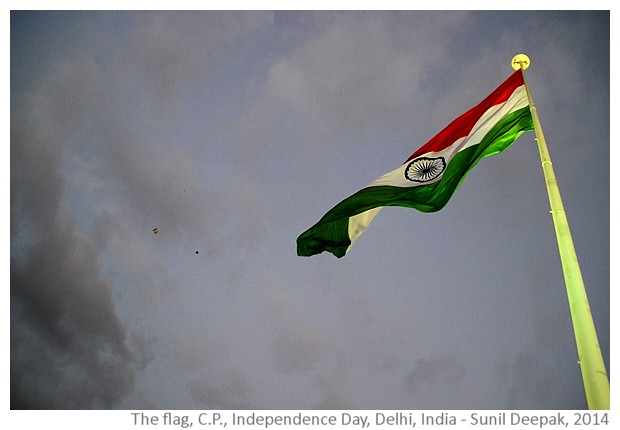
x,y
430,176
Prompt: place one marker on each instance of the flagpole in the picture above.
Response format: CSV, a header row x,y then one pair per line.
x,y
595,380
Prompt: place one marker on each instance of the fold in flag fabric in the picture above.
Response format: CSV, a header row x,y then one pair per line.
x,y
430,176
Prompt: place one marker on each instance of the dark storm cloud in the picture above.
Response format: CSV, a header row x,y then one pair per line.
x,y
88,128
68,347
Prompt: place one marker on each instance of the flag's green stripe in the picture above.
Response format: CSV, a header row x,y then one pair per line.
x,y
331,232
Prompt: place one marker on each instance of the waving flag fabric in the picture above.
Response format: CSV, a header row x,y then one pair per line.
x,y
430,176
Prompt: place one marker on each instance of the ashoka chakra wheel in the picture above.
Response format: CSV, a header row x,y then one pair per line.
x,y
425,169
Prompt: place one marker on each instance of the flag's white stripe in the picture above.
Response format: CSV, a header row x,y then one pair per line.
x,y
487,121
360,222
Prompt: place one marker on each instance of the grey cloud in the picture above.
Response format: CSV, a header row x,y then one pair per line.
x,y
332,402
329,383
41,124
297,349
297,346
357,72
169,57
522,388
162,175
427,373
68,347
226,390
66,336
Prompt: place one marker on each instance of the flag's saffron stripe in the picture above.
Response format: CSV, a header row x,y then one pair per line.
x,y
332,232
463,125
485,122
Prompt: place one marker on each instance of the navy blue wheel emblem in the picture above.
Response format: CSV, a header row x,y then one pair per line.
x,y
425,169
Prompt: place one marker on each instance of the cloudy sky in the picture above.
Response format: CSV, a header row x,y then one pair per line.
x,y
232,133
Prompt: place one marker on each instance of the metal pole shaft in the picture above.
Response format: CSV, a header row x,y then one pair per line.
x,y
595,380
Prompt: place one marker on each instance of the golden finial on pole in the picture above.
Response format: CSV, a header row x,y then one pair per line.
x,y
520,61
